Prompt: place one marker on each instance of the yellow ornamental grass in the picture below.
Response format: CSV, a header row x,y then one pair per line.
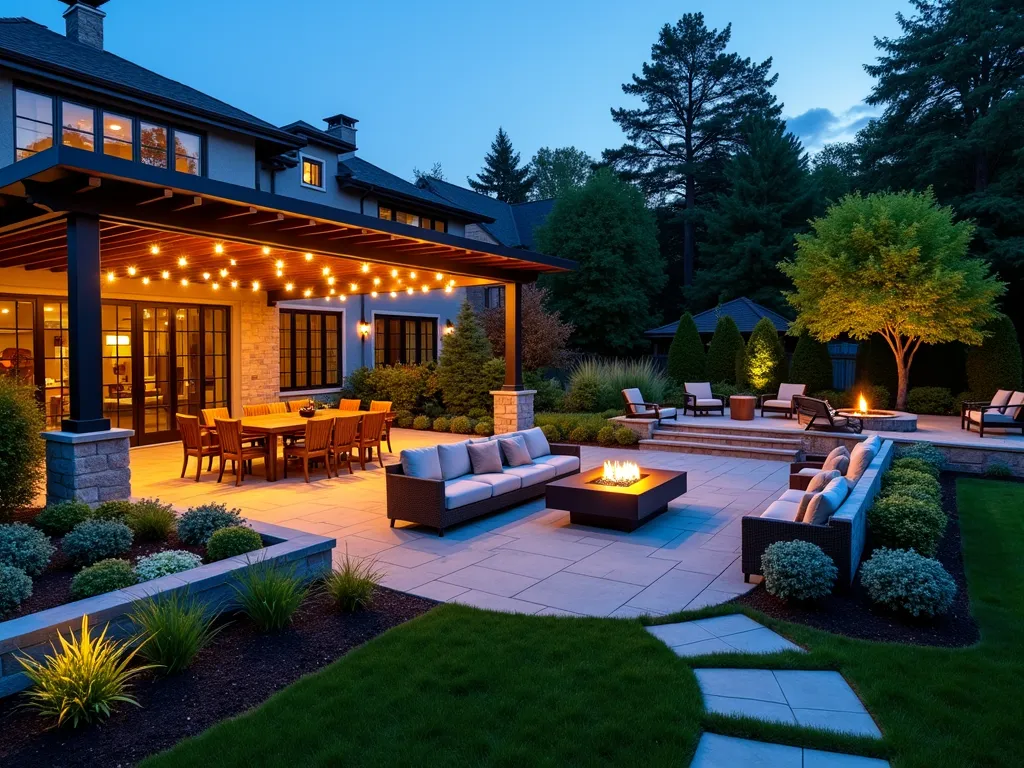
x,y
84,680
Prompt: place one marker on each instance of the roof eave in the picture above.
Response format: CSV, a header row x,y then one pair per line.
x,y
470,216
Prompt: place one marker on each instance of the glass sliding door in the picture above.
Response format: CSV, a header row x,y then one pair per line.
x,y
119,385
187,360
56,367
215,357
157,418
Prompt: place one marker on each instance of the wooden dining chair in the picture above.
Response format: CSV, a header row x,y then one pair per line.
x,y
350,405
277,408
346,431
384,405
294,406
370,434
260,409
233,448
194,442
316,445
208,416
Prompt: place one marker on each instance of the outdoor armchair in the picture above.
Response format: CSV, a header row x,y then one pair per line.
x,y
823,417
636,408
700,399
782,401
1005,411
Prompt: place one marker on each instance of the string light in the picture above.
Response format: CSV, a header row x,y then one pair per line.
x,y
224,272
280,273
394,273
111,277
343,297
308,292
279,264
154,249
412,275
353,287
182,261
216,286
330,280
234,283
409,290
289,286
234,262
373,294
218,249
327,298
365,268
447,289
438,276
376,281
255,285
425,288
184,281
393,294
266,250
132,271
332,291
325,271
308,257
166,274
145,281
206,275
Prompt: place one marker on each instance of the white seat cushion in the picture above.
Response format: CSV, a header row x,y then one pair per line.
x,y
809,471
667,413
423,463
532,474
636,400
994,418
454,459
1001,398
714,402
562,464
792,495
860,458
536,442
459,493
787,391
779,403
1014,406
500,482
699,389
782,510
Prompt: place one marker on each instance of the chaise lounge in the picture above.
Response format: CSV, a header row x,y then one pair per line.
x,y
823,417
1004,411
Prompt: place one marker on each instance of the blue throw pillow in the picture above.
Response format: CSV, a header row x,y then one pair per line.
x,y
484,457
515,450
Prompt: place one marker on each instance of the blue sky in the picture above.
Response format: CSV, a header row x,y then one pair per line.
x,y
432,81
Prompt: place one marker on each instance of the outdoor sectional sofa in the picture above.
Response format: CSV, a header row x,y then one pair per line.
x,y
436,487
842,535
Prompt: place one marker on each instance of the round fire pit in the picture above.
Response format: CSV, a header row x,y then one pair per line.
x,y
883,421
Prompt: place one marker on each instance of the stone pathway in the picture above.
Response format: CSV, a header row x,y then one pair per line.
x,y
721,634
716,751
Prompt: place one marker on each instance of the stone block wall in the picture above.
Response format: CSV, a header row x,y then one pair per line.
x,y
260,341
91,467
512,410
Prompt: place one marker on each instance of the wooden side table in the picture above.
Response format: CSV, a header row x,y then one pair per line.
x,y
741,407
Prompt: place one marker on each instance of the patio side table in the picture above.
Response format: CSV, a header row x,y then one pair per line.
x,y
741,407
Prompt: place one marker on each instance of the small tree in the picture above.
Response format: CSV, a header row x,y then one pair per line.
x,y
996,364
894,264
765,357
545,335
811,364
726,343
461,372
21,449
686,353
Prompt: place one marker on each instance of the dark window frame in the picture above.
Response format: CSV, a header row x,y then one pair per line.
x,y
382,339
322,172
54,120
323,332
396,209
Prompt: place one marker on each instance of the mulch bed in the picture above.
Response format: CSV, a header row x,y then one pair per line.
x,y
239,670
854,615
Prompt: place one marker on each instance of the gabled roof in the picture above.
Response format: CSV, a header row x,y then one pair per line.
x,y
31,47
743,311
528,217
312,133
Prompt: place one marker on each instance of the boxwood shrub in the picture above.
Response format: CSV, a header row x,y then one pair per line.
x,y
421,422
606,435
442,424
797,570
15,588
626,436
905,581
484,428
96,540
198,524
58,519
923,450
102,577
461,425
903,522
915,465
930,400
24,547
228,542
112,510
551,432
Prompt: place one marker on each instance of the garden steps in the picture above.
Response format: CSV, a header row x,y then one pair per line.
x,y
740,429
714,443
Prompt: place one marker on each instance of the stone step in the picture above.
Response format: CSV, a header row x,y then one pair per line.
x,y
729,428
715,449
740,441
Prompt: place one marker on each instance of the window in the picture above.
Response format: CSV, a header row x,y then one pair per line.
x,y
412,219
312,172
118,136
34,123
153,144
77,126
494,296
187,153
407,218
310,349
400,339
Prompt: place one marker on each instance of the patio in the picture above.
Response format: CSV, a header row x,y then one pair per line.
x,y
528,559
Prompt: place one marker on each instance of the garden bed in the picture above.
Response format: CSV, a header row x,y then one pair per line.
x,y
240,669
854,615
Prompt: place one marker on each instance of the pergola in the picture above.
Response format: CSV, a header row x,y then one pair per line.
x,y
100,218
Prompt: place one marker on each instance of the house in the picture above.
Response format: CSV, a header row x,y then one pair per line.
x,y
744,312
162,251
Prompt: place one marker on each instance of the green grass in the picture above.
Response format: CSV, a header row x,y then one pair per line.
x,y
464,687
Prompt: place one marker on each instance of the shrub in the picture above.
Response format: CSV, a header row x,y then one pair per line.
x,y
461,373
765,359
933,400
835,398
797,570
235,540
725,343
461,425
906,581
926,451
84,681
22,451
596,385
911,483
811,364
686,353
903,522
578,435
165,563
551,432
405,386
478,413
550,395
998,469
421,422
442,424
102,577
15,587
269,594
175,627
484,428
996,364
626,436
96,540
611,413
61,517
606,435
914,464
877,395
584,391
151,521
198,524
22,546
351,586
404,421
112,510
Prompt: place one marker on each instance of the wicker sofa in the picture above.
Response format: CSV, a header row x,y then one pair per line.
x,y
842,537
459,496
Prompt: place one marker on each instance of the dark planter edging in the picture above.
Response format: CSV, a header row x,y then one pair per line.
x,y
309,554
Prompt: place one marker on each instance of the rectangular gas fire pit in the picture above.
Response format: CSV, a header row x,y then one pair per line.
x,y
624,507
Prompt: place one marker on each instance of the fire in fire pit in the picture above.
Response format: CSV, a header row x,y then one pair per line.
x,y
862,410
622,474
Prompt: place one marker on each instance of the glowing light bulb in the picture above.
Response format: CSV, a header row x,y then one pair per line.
x,y
166,274
342,297
365,267
111,277
216,286
373,294
206,275
394,273
255,285
132,271
425,289
266,250
145,281
376,281
438,276
308,292
234,262
393,294
182,261
330,280
308,257
279,264
412,275
353,287
218,249
289,286
447,289
234,283
409,290
280,273
184,281
223,273
332,291
325,271
154,249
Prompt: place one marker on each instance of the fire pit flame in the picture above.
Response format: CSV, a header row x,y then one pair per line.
x,y
862,405
620,473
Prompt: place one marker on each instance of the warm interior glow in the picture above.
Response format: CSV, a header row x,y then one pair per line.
x,y
624,472
118,341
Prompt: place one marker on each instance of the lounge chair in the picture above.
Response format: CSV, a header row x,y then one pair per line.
x,y
1005,411
823,417
783,401
700,399
636,408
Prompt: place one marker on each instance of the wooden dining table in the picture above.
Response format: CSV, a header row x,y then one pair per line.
x,y
276,425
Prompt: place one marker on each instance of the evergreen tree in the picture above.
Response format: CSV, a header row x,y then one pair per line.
x,y
996,364
686,353
765,357
696,95
462,374
753,225
502,176
556,171
606,228
726,344
811,364
835,171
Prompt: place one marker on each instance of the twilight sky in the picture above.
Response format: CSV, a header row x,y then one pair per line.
x,y
432,81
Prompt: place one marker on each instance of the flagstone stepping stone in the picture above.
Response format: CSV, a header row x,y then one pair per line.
x,y
816,699
735,633
714,751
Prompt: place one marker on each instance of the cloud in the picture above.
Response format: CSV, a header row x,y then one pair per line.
x,y
819,125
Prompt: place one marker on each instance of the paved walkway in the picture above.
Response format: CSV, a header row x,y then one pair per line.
x,y
722,634
716,751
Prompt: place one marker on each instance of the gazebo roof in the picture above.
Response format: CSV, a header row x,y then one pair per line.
x,y
743,311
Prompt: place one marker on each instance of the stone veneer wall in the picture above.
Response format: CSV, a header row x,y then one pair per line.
x,y
513,410
91,467
260,340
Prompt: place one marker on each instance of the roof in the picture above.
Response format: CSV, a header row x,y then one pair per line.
x,y
28,45
743,311
311,132
528,217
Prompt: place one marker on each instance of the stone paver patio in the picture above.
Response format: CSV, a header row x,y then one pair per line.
x,y
721,634
528,559
714,751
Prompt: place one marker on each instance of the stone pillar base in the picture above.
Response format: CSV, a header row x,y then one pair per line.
x,y
513,410
90,467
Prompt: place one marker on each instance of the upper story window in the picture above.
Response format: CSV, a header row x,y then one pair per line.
x,y
34,123
118,136
312,172
411,219
153,144
77,126
188,149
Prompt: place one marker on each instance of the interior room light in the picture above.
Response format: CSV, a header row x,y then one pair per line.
x,y
154,249
118,340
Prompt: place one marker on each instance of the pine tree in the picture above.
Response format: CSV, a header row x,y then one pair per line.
x,y
502,176
765,358
686,353
726,344
811,364
753,225
461,370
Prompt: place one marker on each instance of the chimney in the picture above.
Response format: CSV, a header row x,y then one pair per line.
x,y
342,127
85,22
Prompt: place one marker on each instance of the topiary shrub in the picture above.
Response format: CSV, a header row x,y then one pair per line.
x,y
551,432
228,542
606,435
996,364
484,428
930,400
461,425
811,364
198,524
442,424
112,510
421,422
165,563
24,547
60,518
910,482
22,451
914,464
686,353
102,577
903,522
797,570
15,588
764,360
906,581
151,521
96,540
626,436
925,451
725,343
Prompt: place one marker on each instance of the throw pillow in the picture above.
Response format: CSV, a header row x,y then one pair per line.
x,y
820,480
485,457
826,503
422,463
840,463
860,459
841,450
801,510
515,451
454,459
536,442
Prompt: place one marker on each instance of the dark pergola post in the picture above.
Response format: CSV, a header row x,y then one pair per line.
x,y
513,337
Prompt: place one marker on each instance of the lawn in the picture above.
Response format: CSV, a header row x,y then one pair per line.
x,y
460,686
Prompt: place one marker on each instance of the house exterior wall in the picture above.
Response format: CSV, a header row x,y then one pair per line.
x,y
6,120
231,158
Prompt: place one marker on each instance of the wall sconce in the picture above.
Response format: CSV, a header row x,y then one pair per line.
x,y
364,329
449,328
